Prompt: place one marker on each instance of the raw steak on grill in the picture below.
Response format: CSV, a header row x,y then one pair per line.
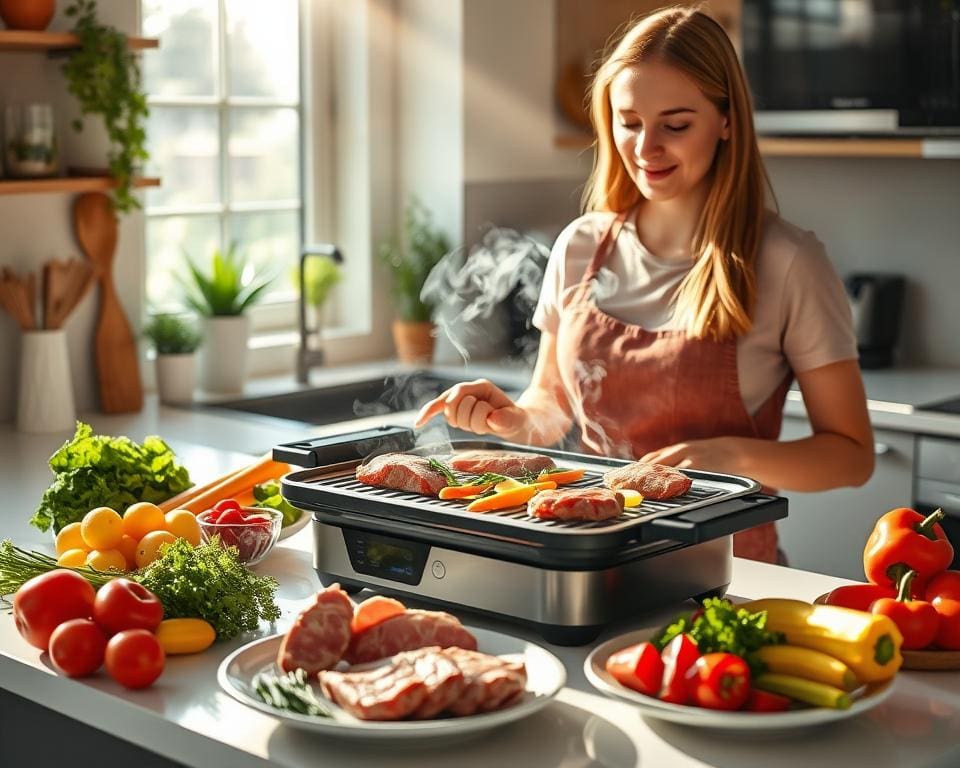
x,y
320,634
407,632
576,504
391,691
402,471
511,463
491,682
654,481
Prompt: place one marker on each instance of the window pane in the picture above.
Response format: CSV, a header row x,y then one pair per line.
x,y
185,63
263,49
184,151
272,241
169,240
264,154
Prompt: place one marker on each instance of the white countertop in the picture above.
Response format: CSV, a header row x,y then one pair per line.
x,y
186,717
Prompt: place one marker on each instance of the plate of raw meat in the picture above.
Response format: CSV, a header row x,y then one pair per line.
x,y
380,670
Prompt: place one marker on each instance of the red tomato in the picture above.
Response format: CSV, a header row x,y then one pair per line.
x,y
638,667
77,647
678,657
124,604
946,585
764,701
48,600
948,637
719,681
134,658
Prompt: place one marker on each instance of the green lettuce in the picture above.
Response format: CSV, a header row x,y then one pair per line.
x,y
268,495
100,471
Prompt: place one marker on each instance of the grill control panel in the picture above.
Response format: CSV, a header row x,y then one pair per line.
x,y
386,557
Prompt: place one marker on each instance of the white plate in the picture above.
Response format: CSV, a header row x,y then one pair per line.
x,y
295,526
594,668
546,675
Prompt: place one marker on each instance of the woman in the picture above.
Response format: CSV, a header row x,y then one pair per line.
x,y
677,310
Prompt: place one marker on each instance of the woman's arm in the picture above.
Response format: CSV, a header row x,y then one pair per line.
x,y
839,453
540,416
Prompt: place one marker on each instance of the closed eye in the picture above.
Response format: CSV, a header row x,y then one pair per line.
x,y
677,128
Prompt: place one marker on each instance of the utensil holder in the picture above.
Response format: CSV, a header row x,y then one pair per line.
x,y
45,402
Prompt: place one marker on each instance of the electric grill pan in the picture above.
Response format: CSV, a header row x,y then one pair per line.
x,y
569,578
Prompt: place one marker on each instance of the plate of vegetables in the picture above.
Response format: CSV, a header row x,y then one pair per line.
x,y
758,667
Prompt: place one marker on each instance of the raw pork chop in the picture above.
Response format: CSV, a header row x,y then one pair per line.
x,y
388,692
320,634
511,463
576,504
492,682
654,481
407,632
402,471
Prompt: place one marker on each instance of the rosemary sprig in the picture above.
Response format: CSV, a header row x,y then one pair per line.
x,y
444,470
290,691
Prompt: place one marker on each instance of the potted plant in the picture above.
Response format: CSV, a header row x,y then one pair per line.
x,y
104,75
221,297
410,261
321,274
175,340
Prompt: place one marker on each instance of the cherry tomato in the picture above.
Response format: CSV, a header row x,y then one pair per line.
x,y
77,648
638,667
679,655
719,681
134,658
764,701
946,585
48,600
124,604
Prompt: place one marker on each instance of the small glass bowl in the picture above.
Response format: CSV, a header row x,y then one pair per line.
x,y
253,540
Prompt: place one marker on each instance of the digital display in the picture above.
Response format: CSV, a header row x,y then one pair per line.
x,y
386,557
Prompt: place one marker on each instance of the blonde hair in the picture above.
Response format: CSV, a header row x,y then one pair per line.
x,y
716,298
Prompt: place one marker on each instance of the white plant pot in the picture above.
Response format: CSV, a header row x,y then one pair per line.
x,y
223,355
176,376
45,402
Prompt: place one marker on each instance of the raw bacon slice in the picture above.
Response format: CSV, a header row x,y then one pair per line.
x,y
320,634
407,632
654,481
588,504
491,682
392,691
511,463
403,472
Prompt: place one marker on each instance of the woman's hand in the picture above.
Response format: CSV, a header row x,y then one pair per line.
x,y
716,454
481,407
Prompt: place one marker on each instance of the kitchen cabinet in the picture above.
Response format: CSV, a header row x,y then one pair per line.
x,y
825,532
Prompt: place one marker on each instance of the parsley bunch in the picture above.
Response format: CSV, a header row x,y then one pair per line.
x,y
722,627
209,582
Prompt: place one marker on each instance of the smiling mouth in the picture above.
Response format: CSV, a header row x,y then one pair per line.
x,y
656,175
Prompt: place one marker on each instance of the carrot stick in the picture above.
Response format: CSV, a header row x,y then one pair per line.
x,y
510,498
563,476
462,491
199,499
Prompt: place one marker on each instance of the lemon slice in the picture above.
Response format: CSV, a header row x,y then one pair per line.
x,y
631,498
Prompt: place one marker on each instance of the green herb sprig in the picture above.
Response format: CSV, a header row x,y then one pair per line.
x,y
722,627
290,692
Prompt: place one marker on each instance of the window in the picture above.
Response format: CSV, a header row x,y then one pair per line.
x,y
225,136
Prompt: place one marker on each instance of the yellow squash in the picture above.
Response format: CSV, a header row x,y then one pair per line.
x,y
868,644
818,694
185,635
807,664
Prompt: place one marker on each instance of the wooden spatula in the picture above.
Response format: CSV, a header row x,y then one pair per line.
x,y
118,369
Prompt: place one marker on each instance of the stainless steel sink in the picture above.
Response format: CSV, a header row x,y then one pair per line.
x,y
369,397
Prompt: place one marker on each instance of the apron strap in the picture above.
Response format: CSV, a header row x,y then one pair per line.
x,y
605,245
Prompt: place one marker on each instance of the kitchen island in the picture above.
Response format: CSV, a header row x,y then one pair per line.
x,y
186,719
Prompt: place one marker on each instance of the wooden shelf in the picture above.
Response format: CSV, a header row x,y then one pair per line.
x,y
67,184
777,146
19,41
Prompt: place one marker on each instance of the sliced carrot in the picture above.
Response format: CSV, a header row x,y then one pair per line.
x,y
563,477
375,610
509,498
228,486
462,491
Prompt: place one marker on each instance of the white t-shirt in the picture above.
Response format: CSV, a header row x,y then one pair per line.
x,y
801,320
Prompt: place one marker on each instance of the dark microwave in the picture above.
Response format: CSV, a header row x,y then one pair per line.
x,y
842,67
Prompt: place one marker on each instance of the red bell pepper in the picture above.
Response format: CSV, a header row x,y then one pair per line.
x,y
948,638
638,667
764,701
679,655
904,540
719,681
947,585
917,620
859,597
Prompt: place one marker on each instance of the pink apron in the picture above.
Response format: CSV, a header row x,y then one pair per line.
x,y
634,391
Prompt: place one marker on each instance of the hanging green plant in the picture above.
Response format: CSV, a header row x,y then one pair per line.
x,y
104,75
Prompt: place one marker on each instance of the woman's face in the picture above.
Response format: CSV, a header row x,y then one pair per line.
x,y
665,130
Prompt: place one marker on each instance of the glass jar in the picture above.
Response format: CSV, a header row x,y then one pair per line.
x,y
30,141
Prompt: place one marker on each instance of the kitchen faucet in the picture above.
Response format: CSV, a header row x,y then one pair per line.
x,y
307,357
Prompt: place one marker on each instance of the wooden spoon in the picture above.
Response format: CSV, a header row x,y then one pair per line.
x,y
118,369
